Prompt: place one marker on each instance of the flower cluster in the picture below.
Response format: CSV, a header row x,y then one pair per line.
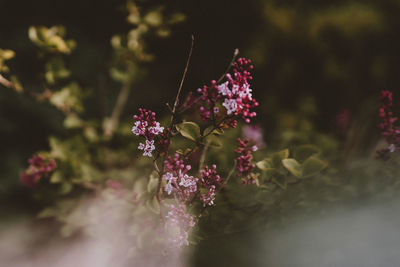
x,y
38,168
209,180
165,140
210,97
390,132
179,223
235,95
147,127
178,181
244,165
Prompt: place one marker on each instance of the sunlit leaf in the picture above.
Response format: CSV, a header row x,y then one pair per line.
x,y
213,141
293,167
189,130
279,156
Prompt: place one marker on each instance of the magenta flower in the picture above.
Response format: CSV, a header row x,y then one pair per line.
x,y
244,160
178,181
209,180
147,127
235,95
38,168
389,131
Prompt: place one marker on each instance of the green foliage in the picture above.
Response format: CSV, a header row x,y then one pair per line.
x,y
189,130
4,56
51,39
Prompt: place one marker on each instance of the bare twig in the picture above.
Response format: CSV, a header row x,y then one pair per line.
x,y
5,82
181,83
235,54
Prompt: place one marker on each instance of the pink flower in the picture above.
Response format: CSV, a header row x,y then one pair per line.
x,y
190,182
223,89
183,185
209,180
148,148
39,168
147,127
179,223
389,131
244,160
230,105
234,94
209,197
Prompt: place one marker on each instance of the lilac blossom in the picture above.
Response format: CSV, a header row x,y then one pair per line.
x,y
146,126
179,223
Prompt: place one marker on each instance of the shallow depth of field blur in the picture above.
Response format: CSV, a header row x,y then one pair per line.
x,y
319,67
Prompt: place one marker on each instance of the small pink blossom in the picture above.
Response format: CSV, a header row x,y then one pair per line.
x,y
230,105
389,131
223,89
148,148
209,180
146,126
179,223
190,182
244,160
183,185
209,197
39,168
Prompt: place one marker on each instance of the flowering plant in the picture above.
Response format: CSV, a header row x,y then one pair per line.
x,y
167,177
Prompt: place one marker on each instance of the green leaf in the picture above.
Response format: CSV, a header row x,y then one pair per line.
x,y
213,141
309,167
56,177
278,157
303,152
153,183
73,121
312,166
293,167
265,164
189,130
6,54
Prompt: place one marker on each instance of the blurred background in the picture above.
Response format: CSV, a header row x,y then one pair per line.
x,y
319,68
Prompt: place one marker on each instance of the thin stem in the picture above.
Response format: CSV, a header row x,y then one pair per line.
x,y
235,54
46,94
173,111
119,107
203,156
158,187
231,172
181,83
